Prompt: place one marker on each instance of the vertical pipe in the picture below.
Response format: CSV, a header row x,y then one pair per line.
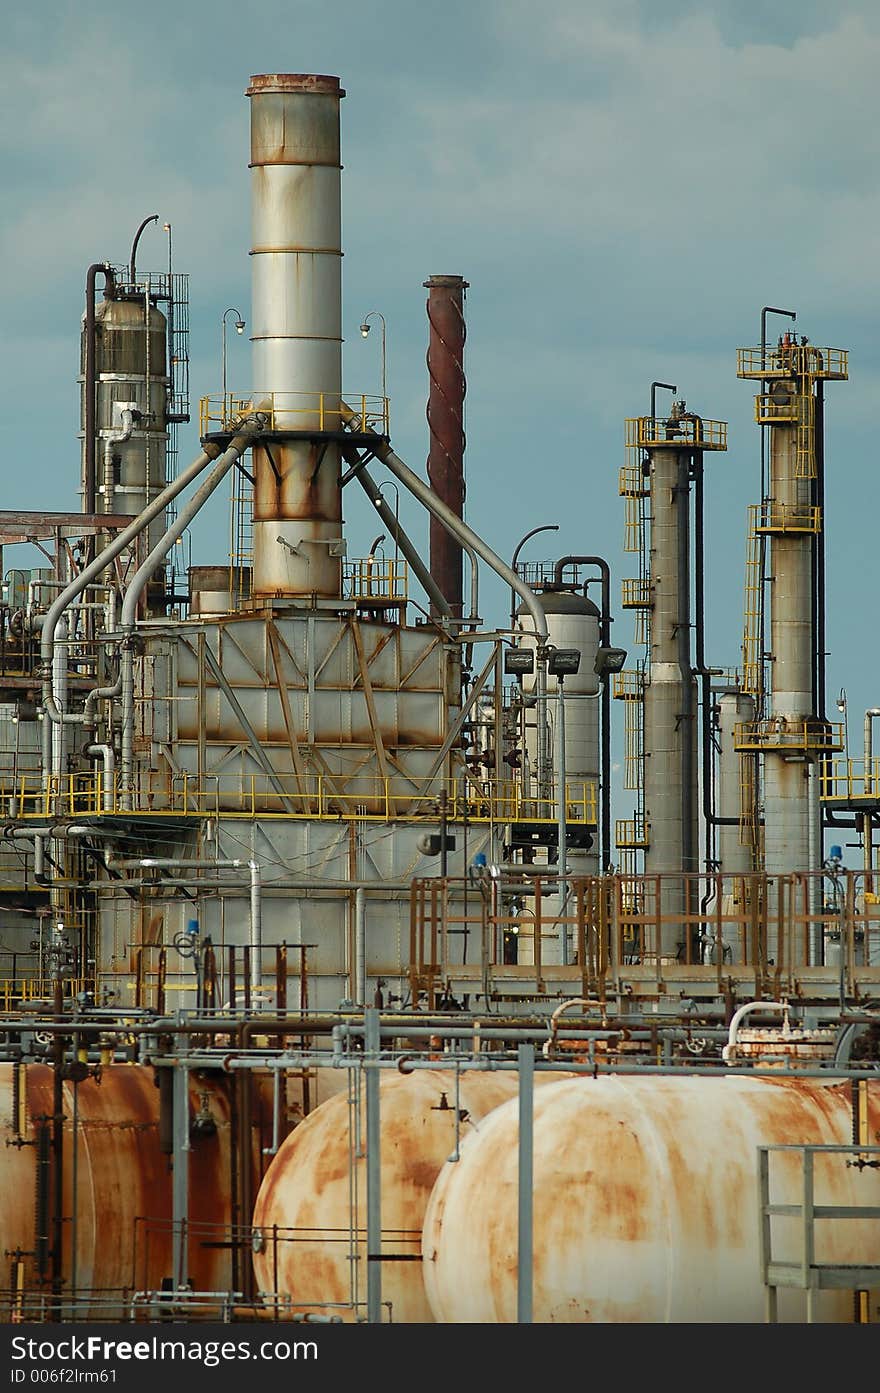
x,y
524,1257
297,330
180,1175
256,926
360,945
445,412
374,1168
561,829
870,791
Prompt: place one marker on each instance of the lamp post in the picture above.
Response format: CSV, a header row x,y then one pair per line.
x,y
390,483
547,527
239,329
365,329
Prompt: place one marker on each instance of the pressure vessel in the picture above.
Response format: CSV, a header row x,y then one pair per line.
x,y
646,1202
310,1216
116,1180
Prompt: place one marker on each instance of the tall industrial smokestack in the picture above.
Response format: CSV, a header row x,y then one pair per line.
x,y
446,423
297,331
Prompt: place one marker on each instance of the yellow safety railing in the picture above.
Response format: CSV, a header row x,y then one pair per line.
x,y
314,796
373,578
777,735
753,658
648,431
636,593
850,780
628,684
798,360
632,833
789,517
294,411
18,991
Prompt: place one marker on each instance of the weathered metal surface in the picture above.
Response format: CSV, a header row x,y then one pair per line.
x,y
445,414
645,1202
121,1217
307,1191
296,253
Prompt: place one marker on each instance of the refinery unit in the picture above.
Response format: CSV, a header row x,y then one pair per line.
x,y
333,990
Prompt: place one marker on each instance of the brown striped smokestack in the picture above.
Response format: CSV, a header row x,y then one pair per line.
x,y
446,424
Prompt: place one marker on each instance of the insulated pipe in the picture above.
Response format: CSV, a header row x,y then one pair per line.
x,y
256,926
296,266
94,568
728,1053
90,379
870,791
360,946
445,413
463,533
116,437
59,685
237,446
108,755
245,432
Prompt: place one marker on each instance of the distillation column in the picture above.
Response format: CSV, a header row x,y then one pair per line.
x,y
793,734
670,689
670,693
297,332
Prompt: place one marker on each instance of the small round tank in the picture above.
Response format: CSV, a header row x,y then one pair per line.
x,y
307,1191
646,1202
124,1175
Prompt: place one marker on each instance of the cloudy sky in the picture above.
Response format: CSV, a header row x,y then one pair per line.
x,y
623,183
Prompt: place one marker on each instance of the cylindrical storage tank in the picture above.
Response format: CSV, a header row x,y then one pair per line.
x,y
311,1244
296,252
210,590
119,1211
131,373
645,1202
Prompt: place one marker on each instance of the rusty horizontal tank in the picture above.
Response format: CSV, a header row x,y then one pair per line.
x,y
310,1226
120,1203
646,1202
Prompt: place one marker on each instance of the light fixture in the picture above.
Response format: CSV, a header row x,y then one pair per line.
x,y
564,662
519,660
365,329
609,660
239,326
841,700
